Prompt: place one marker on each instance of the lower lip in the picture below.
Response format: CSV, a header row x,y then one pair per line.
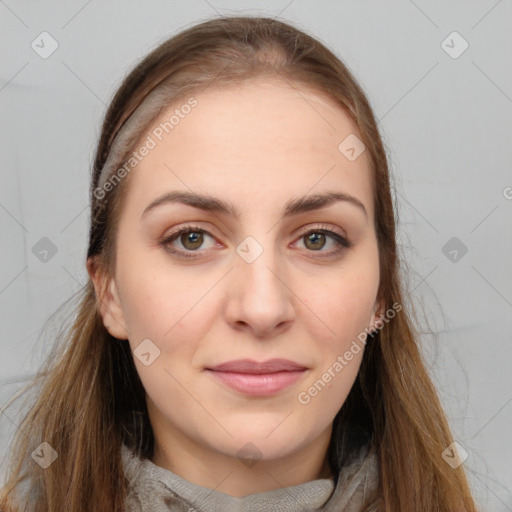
x,y
258,384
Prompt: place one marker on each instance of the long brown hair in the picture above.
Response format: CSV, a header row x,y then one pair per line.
x,y
91,399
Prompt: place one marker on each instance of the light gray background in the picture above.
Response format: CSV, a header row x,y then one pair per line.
x,y
446,123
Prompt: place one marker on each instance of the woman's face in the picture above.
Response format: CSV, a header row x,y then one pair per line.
x,y
263,273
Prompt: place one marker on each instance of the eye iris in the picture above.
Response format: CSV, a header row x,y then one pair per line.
x,y
314,238
192,237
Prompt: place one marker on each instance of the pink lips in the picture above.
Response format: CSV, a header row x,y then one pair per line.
x,y
261,379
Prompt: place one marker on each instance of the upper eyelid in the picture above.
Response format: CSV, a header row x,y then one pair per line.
x,y
322,227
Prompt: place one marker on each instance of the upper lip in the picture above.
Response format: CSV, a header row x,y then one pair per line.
x,y
255,367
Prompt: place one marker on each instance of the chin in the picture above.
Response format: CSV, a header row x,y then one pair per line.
x,y
265,442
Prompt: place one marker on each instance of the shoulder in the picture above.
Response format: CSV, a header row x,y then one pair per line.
x,y
145,490
357,481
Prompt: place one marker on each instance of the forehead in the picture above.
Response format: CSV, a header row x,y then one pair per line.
x,y
259,139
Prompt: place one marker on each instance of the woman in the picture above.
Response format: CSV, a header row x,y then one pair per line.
x,y
243,342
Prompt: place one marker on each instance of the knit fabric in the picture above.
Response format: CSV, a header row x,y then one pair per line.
x,y
156,489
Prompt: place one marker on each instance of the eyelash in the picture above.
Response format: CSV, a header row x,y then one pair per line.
x,y
343,242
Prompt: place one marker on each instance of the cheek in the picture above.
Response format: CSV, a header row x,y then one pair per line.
x,y
343,313
155,296
343,303
159,305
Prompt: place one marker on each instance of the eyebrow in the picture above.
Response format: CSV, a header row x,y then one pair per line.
x,y
293,207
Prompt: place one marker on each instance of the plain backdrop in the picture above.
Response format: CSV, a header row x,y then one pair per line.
x,y
444,104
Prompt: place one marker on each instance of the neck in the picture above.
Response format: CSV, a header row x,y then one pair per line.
x,y
230,475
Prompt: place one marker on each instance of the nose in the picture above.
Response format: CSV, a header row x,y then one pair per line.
x,y
259,300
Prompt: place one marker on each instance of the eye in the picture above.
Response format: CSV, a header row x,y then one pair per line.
x,y
191,239
316,239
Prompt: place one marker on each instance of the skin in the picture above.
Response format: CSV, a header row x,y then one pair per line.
x,y
257,146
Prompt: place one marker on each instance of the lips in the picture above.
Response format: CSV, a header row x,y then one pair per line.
x,y
258,378
254,367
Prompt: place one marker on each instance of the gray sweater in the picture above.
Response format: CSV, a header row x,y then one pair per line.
x,y
156,489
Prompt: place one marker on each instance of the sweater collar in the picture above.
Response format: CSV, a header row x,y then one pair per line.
x,y
156,489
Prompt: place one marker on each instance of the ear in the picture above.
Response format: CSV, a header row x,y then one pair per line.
x,y
376,320
108,299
